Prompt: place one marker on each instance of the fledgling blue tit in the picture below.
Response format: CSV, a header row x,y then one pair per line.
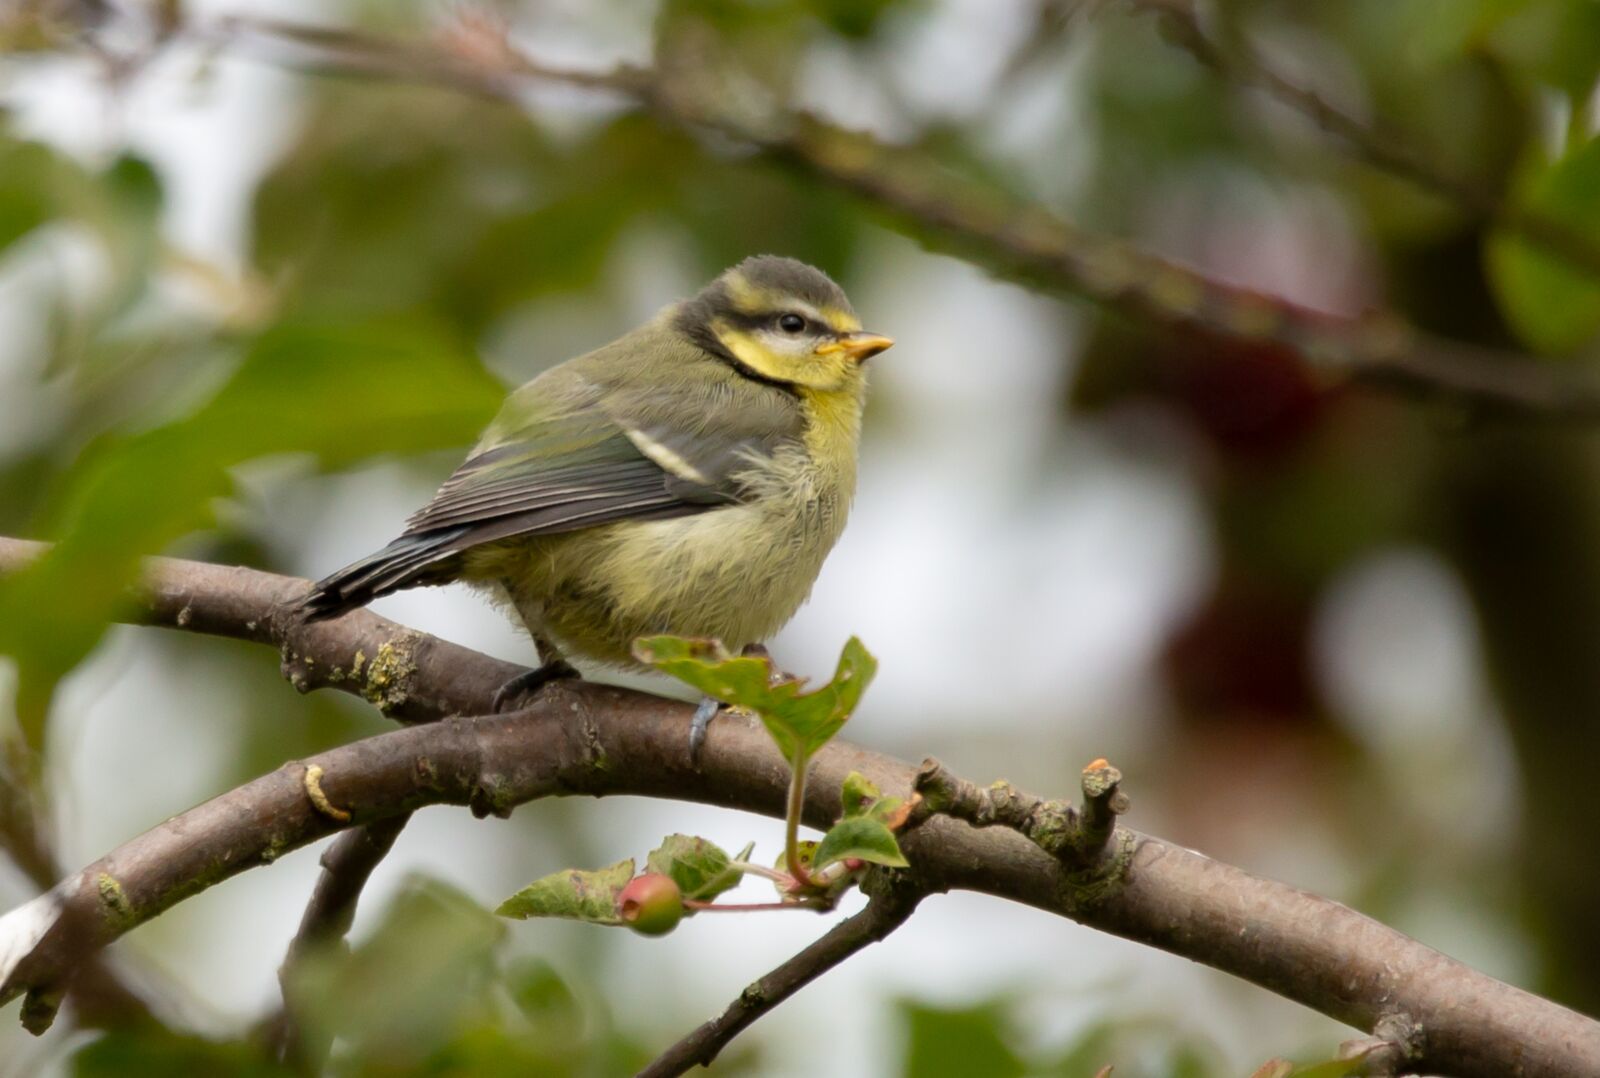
x,y
688,478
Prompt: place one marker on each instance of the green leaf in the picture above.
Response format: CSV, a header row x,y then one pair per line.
x,y
1553,305
807,849
698,866
800,722
858,795
707,666
583,896
861,837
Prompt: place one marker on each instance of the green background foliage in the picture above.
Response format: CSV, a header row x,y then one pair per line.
x,y
278,387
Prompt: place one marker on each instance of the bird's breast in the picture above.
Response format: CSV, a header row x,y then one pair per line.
x,y
737,572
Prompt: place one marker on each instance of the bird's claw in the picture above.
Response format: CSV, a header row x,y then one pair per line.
x,y
515,692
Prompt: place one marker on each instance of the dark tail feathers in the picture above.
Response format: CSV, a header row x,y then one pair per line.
x,y
408,562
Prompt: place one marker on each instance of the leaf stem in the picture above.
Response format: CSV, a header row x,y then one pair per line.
x,y
761,870
699,905
791,823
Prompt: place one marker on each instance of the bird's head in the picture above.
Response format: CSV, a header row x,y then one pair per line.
x,y
782,321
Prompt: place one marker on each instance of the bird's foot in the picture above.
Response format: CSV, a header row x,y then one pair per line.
x,y
519,691
710,706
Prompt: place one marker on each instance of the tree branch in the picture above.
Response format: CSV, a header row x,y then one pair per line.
x,y
1012,238
103,998
585,738
346,866
886,911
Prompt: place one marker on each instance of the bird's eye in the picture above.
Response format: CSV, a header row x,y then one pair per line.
x,y
791,323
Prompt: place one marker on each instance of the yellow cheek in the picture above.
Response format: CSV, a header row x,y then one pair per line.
x,y
811,371
747,351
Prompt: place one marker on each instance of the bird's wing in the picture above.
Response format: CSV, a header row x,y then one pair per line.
x,y
564,472
579,454
566,453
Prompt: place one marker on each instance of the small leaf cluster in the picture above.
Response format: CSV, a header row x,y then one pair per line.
x,y
686,874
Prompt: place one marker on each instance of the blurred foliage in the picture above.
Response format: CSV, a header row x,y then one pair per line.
x,y
1553,305
429,993
988,1038
401,232
158,1051
340,392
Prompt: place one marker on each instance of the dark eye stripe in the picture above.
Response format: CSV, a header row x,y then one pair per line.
x,y
767,320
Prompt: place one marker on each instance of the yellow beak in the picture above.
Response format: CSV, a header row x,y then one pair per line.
x,y
858,346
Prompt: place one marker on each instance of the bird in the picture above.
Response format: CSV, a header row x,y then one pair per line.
x,y
688,478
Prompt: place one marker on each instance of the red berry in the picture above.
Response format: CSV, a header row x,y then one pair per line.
x,y
650,904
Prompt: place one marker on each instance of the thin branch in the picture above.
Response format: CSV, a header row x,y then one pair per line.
x,y
1375,142
1103,802
885,912
590,739
1012,238
346,866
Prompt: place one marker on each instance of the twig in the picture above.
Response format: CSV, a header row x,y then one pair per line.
x,y
1050,825
1103,802
346,866
1372,141
1013,239
583,738
1081,839
1395,1044
884,913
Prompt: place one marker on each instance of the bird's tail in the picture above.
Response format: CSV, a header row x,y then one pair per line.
x,y
410,561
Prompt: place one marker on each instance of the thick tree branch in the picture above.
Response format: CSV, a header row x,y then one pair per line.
x,y
584,738
887,910
1014,239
